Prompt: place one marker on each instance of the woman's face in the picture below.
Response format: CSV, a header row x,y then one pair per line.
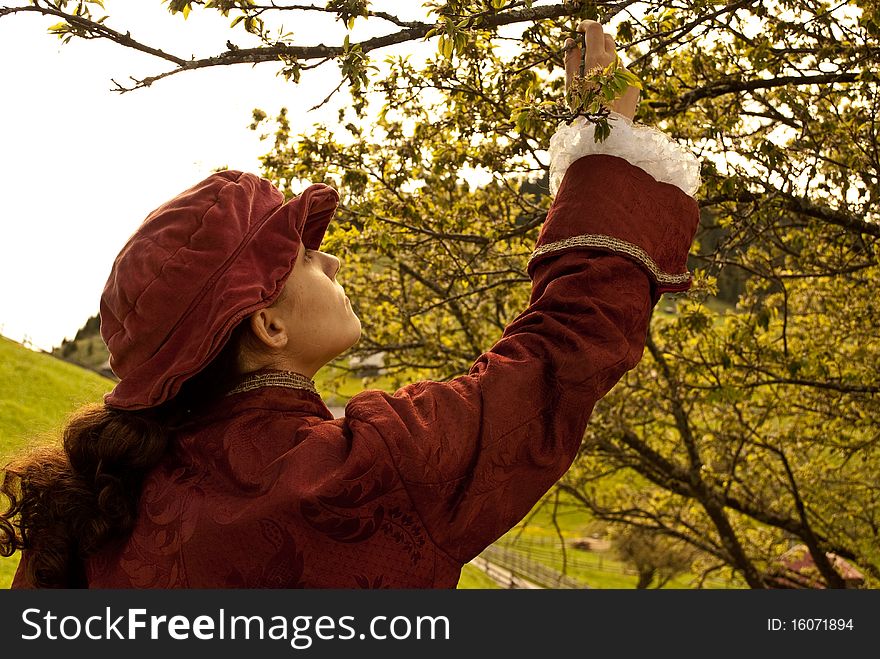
x,y
319,320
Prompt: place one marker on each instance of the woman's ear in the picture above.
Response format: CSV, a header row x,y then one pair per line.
x,y
268,328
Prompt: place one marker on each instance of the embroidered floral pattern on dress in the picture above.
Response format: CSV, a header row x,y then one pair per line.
x,y
285,568
349,515
405,530
640,145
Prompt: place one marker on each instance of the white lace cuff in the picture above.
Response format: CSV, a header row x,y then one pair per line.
x,y
643,146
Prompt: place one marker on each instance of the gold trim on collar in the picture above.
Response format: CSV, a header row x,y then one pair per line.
x,y
286,379
615,245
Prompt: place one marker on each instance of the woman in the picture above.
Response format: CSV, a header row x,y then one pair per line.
x,y
215,463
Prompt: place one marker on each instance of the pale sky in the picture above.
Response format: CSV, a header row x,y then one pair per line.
x,y
82,166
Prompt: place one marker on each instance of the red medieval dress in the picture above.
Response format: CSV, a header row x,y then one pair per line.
x,y
271,491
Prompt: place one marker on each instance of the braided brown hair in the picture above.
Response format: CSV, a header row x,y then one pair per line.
x,y
67,502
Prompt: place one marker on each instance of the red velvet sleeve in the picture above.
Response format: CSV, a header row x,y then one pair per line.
x,y
476,453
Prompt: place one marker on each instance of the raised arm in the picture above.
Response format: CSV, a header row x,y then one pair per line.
x,y
476,453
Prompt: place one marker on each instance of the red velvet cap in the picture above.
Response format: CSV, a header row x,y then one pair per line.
x,y
193,270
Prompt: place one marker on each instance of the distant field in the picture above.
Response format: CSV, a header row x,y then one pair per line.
x,y
473,577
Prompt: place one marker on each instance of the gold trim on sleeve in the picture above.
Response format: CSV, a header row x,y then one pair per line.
x,y
615,245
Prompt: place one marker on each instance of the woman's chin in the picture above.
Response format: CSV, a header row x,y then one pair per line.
x,y
354,334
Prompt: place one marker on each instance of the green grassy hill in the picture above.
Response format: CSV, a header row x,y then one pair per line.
x,y
37,393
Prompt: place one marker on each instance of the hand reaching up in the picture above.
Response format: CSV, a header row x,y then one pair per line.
x,y
601,52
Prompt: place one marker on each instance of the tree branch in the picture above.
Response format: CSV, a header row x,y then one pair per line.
x,y
391,18
711,501
279,51
99,31
731,86
681,31
803,206
820,558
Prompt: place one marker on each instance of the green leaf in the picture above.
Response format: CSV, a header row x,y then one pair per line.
x,y
446,47
628,77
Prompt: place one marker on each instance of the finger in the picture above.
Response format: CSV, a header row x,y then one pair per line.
x,y
610,46
572,59
582,26
595,38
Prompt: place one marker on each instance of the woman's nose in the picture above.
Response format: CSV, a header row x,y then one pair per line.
x,y
331,265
